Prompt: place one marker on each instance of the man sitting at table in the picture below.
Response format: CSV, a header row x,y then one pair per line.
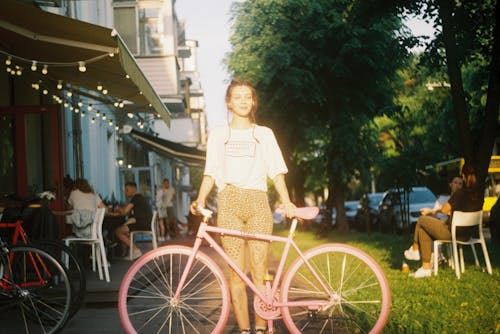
x,y
139,215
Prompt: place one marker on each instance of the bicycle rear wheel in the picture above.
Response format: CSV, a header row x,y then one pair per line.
x,y
74,270
145,300
358,297
35,293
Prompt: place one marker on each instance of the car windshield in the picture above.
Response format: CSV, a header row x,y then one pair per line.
x,y
422,196
375,198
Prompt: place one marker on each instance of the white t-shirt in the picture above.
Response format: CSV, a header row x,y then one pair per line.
x,y
84,201
165,197
243,158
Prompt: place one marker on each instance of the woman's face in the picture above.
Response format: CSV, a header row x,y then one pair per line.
x,y
241,101
456,183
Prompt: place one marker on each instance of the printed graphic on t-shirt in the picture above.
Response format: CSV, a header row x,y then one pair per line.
x,y
240,149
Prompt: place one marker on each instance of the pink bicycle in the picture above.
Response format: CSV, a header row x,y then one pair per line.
x,y
332,288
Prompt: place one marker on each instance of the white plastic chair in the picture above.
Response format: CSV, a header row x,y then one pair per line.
x,y
151,232
97,243
461,218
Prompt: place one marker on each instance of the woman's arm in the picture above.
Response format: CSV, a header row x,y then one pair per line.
x,y
280,185
206,186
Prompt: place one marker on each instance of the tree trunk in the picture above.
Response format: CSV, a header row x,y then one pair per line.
x,y
491,126
455,76
481,158
338,199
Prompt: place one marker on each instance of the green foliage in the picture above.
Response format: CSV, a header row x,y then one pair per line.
x,y
438,304
323,69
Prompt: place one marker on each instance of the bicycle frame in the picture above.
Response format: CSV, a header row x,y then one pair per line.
x,y
37,263
204,234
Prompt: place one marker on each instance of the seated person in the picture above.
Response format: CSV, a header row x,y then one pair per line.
x,y
429,228
139,213
84,202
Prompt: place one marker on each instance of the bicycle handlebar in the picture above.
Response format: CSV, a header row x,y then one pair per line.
x,y
306,213
204,212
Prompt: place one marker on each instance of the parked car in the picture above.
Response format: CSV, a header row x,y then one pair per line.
x,y
393,204
351,207
374,201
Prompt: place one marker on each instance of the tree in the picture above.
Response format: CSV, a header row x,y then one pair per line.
x,y
468,34
320,64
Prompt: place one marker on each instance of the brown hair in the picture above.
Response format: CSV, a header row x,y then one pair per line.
x,y
237,82
82,185
470,180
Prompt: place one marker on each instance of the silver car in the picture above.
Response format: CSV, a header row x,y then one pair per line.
x,y
396,204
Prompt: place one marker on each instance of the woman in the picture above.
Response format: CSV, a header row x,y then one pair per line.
x,y
430,228
84,203
240,157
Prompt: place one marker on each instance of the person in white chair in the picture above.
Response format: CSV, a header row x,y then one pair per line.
x,y
430,228
84,202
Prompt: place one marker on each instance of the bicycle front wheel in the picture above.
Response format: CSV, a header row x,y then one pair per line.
x,y
35,293
345,292
73,267
145,299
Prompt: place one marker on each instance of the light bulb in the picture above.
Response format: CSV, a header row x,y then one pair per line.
x,y
110,123
8,61
69,93
33,65
59,84
81,66
80,103
117,128
104,117
98,113
77,110
45,69
130,115
89,108
121,104
116,104
99,86
93,120
82,114
45,92
105,91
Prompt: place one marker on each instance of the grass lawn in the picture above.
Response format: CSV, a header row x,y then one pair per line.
x,y
438,304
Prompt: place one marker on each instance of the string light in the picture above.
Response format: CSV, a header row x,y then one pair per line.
x,y
93,120
80,103
121,104
99,86
98,114
59,84
45,92
33,66
69,93
82,114
8,61
81,66
45,69
89,108
117,128
105,91
110,122
130,115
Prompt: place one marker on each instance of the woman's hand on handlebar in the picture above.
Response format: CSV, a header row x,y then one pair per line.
x,y
290,209
194,206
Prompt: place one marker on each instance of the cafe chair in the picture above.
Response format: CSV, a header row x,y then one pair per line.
x,y
151,232
461,218
96,241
